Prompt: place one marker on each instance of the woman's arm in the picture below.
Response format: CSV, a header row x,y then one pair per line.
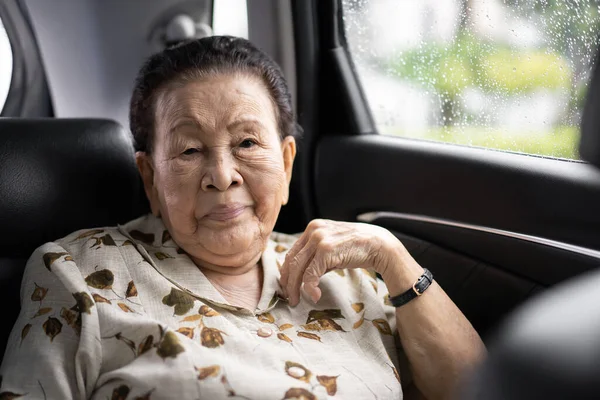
x,y
440,343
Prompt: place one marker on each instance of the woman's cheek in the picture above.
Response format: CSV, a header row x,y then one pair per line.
x,y
180,187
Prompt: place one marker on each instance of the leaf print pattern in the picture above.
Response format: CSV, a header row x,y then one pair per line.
x,y
88,234
370,273
358,307
120,393
145,396
299,394
314,315
72,318
309,335
102,279
285,326
280,248
127,243
131,290
189,332
182,301
25,331
358,323
382,326
266,318
125,307
297,371
323,325
207,311
284,337
162,256
84,302
387,301
273,300
100,299
340,272
192,318
42,311
127,341
211,337
374,285
147,238
227,386
39,293
208,372
50,258
329,382
169,346
396,373
146,345
52,327
106,240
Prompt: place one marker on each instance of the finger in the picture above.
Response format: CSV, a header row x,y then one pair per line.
x,y
296,247
297,268
291,254
312,276
314,292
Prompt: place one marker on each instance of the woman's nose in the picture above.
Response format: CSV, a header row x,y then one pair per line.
x,y
221,174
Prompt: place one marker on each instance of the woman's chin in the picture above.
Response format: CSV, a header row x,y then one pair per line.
x,y
231,243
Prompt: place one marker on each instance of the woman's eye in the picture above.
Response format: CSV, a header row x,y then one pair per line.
x,y
247,143
190,151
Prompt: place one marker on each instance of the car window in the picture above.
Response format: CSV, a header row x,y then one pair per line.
x,y
502,74
6,65
230,17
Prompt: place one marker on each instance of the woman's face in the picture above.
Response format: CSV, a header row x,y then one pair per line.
x,y
219,172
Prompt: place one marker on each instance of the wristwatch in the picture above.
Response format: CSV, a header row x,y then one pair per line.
x,y
415,291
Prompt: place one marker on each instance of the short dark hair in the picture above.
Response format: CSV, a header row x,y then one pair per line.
x,y
197,58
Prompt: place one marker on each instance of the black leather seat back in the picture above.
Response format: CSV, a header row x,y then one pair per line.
x,y
58,176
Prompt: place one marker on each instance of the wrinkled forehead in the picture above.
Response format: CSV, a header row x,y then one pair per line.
x,y
214,102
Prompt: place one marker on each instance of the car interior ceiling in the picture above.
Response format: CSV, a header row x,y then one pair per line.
x,y
474,217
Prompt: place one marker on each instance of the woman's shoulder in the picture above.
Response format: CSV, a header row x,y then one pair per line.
x,y
92,248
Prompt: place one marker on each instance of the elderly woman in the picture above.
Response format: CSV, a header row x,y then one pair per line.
x,y
201,299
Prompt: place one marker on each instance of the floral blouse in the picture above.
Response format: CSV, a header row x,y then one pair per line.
x,y
123,313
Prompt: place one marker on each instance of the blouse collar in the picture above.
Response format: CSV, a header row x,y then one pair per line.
x,y
150,236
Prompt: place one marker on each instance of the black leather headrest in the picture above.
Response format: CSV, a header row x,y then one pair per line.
x,y
548,350
60,175
589,145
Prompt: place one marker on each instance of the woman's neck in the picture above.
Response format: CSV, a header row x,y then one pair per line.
x,y
242,290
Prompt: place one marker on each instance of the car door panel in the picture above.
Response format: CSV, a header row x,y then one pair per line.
x,y
473,217
537,196
485,293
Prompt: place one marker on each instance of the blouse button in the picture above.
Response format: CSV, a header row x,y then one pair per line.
x,y
264,332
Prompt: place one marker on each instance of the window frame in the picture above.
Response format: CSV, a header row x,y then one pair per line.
x,y
28,94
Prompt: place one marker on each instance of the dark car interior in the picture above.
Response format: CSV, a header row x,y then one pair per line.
x,y
496,228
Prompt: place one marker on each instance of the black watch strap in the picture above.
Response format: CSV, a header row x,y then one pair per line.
x,y
416,290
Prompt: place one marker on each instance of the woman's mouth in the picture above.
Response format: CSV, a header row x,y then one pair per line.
x,y
225,212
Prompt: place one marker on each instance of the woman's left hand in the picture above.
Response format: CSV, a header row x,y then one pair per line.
x,y
327,245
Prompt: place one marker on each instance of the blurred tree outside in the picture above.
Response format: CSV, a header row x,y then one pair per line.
x,y
560,63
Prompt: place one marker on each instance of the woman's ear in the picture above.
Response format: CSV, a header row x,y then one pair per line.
x,y
288,148
144,164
